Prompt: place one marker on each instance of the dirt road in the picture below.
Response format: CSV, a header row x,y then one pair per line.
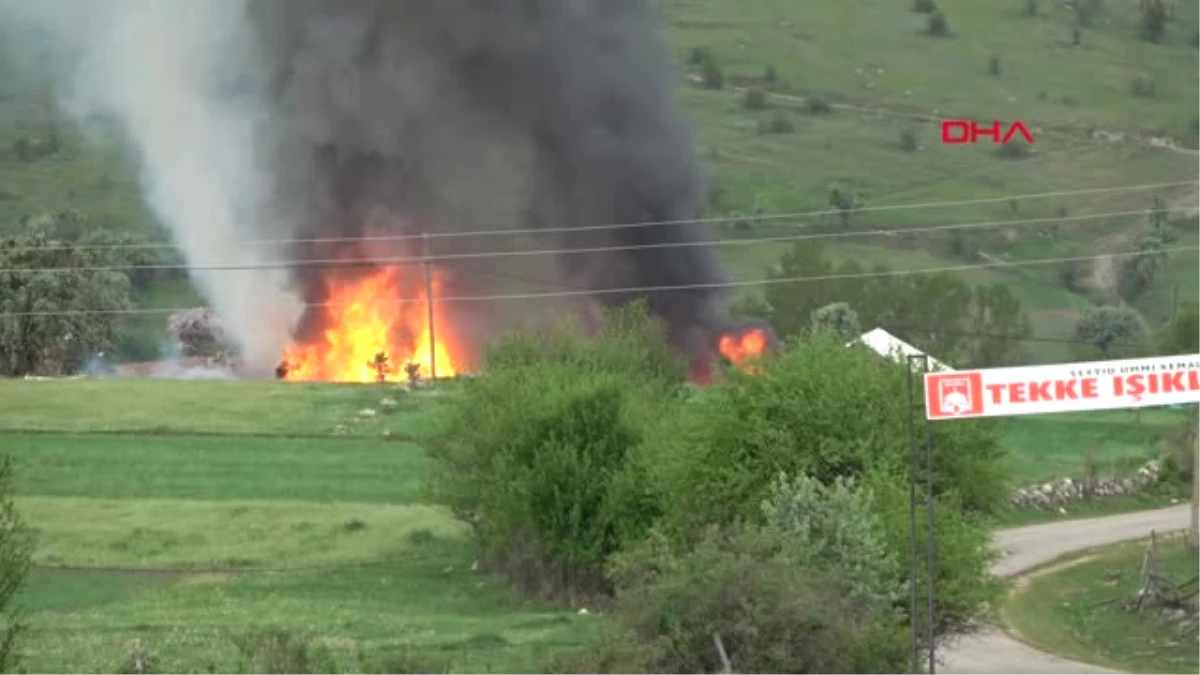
x,y
993,651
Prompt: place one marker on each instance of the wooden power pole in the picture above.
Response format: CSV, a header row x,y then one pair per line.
x,y
1194,533
429,310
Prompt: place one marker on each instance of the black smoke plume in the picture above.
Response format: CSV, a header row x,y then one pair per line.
x,y
465,115
364,120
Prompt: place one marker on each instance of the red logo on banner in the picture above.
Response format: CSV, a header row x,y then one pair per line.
x,y
954,395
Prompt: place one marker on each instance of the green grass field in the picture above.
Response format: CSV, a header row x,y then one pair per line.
x,y
1076,611
170,526
182,514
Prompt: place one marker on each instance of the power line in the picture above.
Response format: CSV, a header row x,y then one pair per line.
x,y
617,226
660,289
411,260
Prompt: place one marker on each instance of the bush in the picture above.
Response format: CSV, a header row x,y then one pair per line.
x,y
278,651
770,75
712,75
1031,8
819,409
1014,150
699,56
1143,86
936,25
1152,24
925,6
964,554
779,123
755,99
814,105
536,453
908,140
740,589
994,65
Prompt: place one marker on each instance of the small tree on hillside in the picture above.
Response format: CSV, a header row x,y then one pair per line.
x,y
1152,24
838,319
1113,332
711,74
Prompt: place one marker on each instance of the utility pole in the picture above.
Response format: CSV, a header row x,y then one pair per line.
x,y
429,309
1194,533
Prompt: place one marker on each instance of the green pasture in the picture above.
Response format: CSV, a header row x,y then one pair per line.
x,y
182,514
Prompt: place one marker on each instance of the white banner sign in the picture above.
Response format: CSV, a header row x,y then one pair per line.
x,y
1067,387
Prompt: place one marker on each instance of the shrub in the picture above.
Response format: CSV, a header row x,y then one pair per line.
x,y
1031,8
740,589
1143,86
964,555
770,75
536,456
838,319
819,409
1152,24
936,25
755,99
712,75
925,6
779,123
278,651
699,56
814,105
1014,150
908,140
994,65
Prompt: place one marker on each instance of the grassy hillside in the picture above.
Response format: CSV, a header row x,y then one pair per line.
x,y
183,513
883,77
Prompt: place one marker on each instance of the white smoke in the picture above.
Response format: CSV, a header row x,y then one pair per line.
x,y
175,76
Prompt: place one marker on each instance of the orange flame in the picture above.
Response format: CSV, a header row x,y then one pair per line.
x,y
742,349
371,316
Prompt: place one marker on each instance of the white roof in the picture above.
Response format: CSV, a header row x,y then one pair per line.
x,y
889,346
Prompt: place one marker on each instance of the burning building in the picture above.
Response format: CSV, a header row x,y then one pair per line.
x,y
350,139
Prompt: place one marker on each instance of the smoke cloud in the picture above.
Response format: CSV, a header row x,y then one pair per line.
x,y
352,119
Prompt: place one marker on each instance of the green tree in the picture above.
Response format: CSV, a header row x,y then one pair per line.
x,y
536,455
1152,23
55,311
1110,332
938,313
838,319
1181,335
828,412
998,326
1138,272
1086,11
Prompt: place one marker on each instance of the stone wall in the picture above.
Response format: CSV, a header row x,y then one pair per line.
x,y
1058,493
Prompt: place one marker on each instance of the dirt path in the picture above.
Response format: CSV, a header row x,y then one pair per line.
x,y
1028,548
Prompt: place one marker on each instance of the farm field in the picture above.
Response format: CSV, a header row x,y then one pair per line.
x,y
183,514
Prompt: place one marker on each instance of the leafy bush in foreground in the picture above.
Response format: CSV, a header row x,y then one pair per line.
x,y
535,459
812,591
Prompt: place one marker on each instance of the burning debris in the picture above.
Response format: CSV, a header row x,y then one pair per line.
x,y
198,332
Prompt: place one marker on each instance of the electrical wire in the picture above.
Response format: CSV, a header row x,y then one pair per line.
x,y
410,260
629,290
616,226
